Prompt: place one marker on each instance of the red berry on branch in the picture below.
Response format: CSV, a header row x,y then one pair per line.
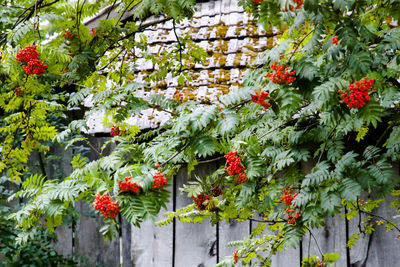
x,y
358,95
335,40
129,186
281,75
159,180
201,202
67,34
260,99
236,256
234,167
115,131
103,204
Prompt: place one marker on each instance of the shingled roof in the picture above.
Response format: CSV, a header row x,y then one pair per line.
x,y
232,40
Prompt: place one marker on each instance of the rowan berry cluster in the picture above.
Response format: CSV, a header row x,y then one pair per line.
x,y
92,32
287,199
18,92
178,96
299,3
287,196
103,204
335,40
29,55
358,95
236,256
216,191
200,200
35,66
281,75
260,99
221,113
115,131
67,34
129,186
322,264
159,180
234,167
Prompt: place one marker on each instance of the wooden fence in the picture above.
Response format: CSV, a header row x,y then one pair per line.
x,y
203,245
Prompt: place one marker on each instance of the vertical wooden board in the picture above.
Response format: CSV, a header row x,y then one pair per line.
x,y
55,169
228,232
63,245
381,248
90,243
126,240
285,258
152,245
330,238
195,244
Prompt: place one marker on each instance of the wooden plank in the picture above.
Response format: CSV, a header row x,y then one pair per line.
x,y
63,245
288,257
330,238
90,243
228,232
152,245
195,244
59,168
125,244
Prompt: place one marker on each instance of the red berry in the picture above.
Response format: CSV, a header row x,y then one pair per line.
x,y
358,95
335,40
67,34
156,165
129,186
201,202
236,256
281,75
235,167
29,56
159,180
260,99
103,204
115,131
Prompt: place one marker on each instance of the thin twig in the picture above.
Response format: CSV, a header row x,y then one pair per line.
x,y
316,242
111,9
302,40
380,217
210,160
94,149
175,154
180,46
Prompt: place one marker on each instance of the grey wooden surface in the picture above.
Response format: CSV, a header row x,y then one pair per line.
x,y
90,243
195,244
329,238
231,231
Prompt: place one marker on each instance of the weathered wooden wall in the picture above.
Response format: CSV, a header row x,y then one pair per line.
x,y
203,245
